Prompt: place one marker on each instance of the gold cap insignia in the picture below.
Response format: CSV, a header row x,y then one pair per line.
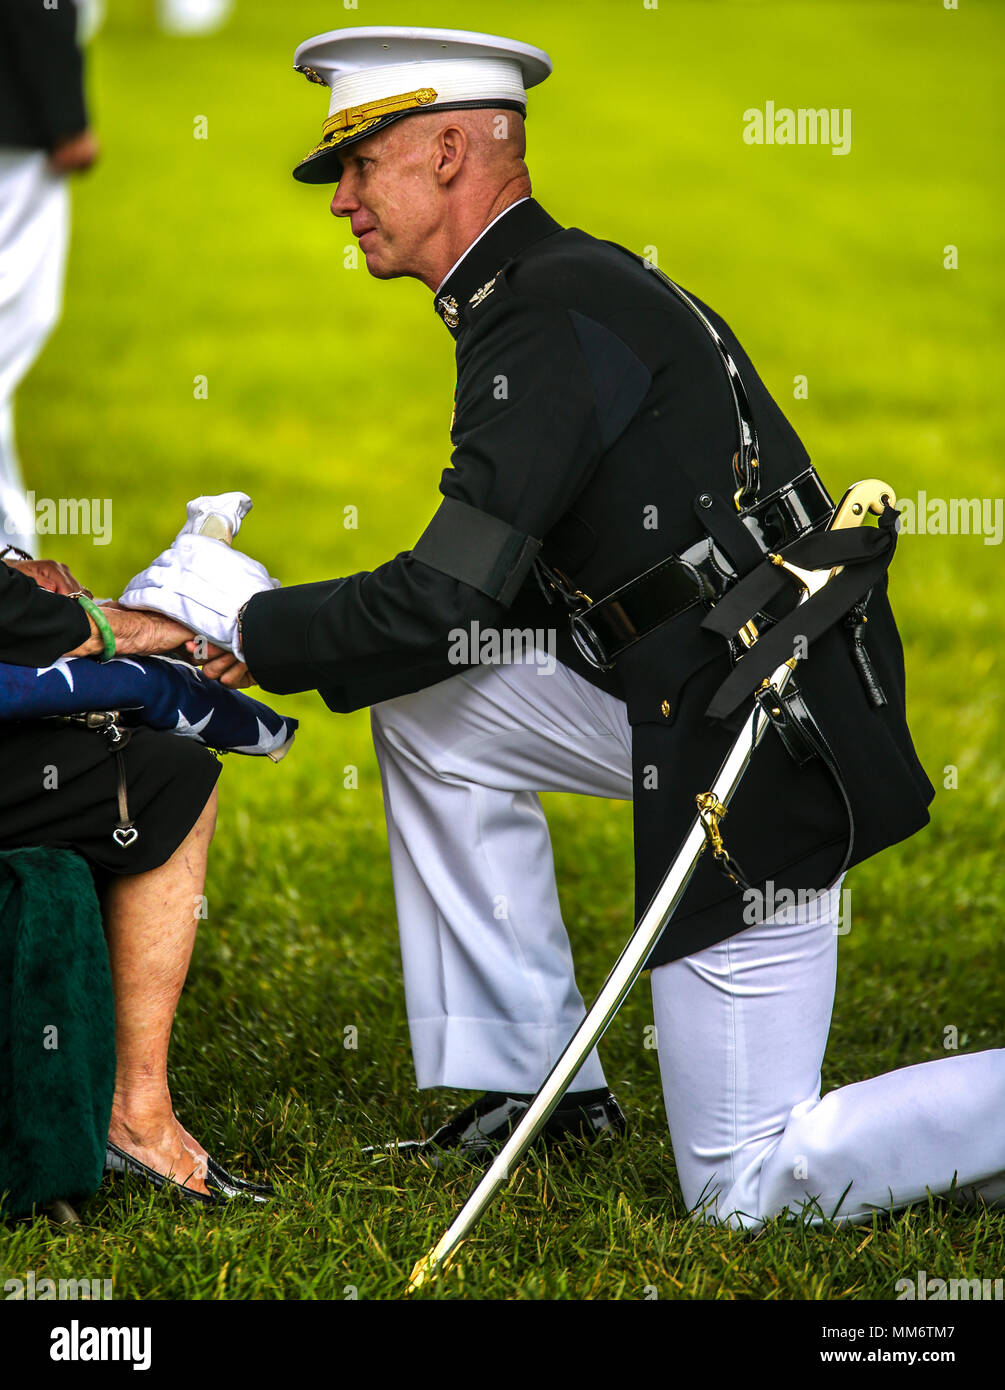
x,y
353,121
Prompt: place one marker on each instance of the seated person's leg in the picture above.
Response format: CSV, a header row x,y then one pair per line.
x,y
150,925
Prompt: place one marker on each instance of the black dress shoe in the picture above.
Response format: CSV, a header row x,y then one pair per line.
x,y
223,1185
480,1131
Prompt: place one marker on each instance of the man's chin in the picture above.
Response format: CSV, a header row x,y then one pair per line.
x,y
379,268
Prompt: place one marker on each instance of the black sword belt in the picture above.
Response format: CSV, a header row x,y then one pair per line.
x,y
604,629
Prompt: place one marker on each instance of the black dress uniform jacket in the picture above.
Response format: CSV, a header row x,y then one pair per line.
x,y
41,74
592,403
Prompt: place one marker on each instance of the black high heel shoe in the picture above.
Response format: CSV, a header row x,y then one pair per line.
x,y
233,1185
118,1162
224,1187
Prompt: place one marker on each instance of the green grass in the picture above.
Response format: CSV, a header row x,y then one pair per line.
x,y
328,389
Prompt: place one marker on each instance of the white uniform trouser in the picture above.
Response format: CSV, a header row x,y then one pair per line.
x,y
34,227
741,1026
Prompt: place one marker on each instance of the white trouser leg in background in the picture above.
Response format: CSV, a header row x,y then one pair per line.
x,y
741,1031
193,16
741,1026
34,228
489,982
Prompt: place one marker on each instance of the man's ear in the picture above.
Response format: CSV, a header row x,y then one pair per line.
x,y
451,151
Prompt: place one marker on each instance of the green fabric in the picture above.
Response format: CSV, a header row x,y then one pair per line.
x,y
57,1030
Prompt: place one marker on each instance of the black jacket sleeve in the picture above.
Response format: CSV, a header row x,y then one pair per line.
x,y
41,74
526,439
36,627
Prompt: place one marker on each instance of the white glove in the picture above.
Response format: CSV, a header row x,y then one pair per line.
x,y
203,584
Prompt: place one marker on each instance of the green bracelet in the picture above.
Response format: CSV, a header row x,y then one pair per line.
x,y
100,622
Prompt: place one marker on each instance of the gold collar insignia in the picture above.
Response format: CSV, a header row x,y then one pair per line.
x,y
450,311
484,292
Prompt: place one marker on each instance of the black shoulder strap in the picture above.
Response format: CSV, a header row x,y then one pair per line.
x,y
747,454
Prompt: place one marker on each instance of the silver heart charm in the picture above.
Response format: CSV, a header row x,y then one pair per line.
x,y
125,835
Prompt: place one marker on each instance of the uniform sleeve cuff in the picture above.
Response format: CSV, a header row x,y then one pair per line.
x,y
273,636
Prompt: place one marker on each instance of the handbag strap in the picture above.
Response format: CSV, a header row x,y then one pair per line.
x,y
747,454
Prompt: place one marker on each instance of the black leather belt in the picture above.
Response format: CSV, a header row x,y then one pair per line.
x,y
703,573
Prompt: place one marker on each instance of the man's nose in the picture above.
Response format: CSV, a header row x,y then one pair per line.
x,y
345,201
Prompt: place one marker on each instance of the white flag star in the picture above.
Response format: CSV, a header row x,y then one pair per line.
x,y
124,661
266,742
188,730
62,666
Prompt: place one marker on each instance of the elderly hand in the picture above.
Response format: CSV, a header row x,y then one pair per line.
x,y
136,633
48,574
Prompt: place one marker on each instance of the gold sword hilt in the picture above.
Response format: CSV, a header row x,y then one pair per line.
x,y
871,495
217,528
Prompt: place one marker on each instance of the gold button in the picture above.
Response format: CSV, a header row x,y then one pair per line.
x,y
665,709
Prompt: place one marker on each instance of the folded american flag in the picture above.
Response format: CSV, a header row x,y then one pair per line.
x,y
154,690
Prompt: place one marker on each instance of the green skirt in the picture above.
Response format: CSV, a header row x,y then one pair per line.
x,y
57,1030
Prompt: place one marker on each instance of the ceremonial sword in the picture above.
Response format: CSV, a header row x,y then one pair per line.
x,y
864,497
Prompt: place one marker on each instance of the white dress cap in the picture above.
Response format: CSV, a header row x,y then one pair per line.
x,y
378,75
